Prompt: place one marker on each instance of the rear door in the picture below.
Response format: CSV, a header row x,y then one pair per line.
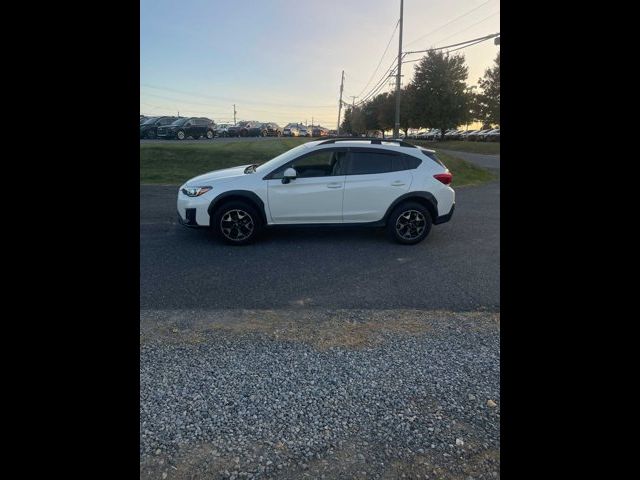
x,y
374,179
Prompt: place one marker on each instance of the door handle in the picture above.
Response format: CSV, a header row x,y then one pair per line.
x,y
397,183
334,185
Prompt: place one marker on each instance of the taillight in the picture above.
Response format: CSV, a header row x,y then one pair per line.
x,y
444,177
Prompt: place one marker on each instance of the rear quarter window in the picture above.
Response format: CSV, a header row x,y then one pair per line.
x,y
433,157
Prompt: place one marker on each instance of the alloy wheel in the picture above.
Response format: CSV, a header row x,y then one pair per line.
x,y
410,224
236,225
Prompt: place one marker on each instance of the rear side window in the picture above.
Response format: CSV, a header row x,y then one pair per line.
x,y
405,162
367,163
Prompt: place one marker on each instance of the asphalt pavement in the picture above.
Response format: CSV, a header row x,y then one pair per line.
x,y
456,268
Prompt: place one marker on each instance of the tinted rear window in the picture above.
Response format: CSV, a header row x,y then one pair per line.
x,y
363,163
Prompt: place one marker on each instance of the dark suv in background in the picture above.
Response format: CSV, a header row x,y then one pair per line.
x,y
267,130
242,129
149,128
194,127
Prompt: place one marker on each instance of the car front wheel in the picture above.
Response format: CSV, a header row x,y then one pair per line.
x,y
180,135
237,223
409,223
209,134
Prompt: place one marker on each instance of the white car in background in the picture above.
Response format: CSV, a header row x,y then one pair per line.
x,y
222,129
290,131
340,181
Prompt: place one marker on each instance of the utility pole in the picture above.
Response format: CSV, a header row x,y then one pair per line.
x,y
234,113
396,128
340,104
353,101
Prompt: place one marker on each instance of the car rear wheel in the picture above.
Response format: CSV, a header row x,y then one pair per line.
x,y
409,223
237,223
180,135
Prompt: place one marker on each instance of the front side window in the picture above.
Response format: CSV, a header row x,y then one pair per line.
x,y
324,163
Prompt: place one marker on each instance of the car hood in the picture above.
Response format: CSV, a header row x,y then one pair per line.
x,y
203,180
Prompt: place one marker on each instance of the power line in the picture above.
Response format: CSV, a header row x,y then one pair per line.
x,y
448,23
486,37
381,84
390,71
381,58
470,26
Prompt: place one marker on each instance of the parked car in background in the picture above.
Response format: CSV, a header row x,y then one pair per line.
x,y
222,129
149,128
479,136
433,134
269,129
241,129
319,132
194,127
465,135
142,119
333,133
291,130
451,134
304,132
493,135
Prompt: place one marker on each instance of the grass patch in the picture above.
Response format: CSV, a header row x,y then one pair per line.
x,y
484,148
174,163
465,173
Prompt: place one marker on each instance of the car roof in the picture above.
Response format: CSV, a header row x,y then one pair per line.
x,y
380,143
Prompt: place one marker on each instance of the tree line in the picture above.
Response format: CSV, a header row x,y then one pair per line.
x,y
437,97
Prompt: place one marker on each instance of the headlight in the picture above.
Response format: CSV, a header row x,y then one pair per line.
x,y
195,191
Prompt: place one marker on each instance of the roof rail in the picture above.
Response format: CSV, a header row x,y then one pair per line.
x,y
373,140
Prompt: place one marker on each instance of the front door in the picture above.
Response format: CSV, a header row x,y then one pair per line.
x,y
315,195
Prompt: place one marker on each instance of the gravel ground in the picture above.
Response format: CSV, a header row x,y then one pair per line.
x,y
319,394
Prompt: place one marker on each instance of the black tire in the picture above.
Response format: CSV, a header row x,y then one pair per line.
x,y
150,134
417,221
210,134
243,133
232,215
180,135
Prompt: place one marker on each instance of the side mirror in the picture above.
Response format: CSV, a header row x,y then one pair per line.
x,y
289,174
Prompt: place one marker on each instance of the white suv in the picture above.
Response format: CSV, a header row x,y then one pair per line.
x,y
340,181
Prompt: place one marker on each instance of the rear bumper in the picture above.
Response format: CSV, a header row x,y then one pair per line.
x,y
445,218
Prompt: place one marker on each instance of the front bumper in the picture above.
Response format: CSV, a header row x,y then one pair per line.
x,y
193,211
189,220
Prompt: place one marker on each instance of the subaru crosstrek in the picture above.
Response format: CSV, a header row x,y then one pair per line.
x,y
341,181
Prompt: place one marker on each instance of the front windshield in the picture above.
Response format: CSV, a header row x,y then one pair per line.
x,y
282,158
151,120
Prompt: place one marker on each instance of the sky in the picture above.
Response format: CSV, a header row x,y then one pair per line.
x,y
281,60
